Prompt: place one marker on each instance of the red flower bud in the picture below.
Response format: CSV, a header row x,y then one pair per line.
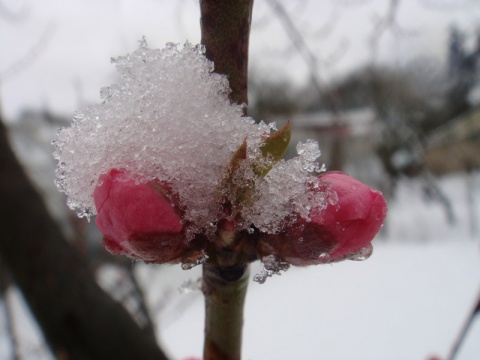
x,y
336,232
137,220
356,218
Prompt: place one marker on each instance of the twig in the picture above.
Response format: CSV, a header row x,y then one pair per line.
x,y
225,290
225,28
10,15
148,326
28,59
299,42
463,332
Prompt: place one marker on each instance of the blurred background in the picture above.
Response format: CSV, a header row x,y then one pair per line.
x,y
389,88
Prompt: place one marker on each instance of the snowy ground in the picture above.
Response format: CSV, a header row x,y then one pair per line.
x,y
407,302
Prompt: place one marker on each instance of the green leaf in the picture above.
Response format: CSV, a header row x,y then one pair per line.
x,y
273,149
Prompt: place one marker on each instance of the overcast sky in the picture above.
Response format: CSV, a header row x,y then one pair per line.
x,y
56,53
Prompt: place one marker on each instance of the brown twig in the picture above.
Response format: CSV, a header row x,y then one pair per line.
x,y
463,332
225,33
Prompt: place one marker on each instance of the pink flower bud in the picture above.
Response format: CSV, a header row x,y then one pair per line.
x,y
336,232
356,218
137,220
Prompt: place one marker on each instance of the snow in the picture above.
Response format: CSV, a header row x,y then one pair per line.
x,y
287,190
169,119
406,302
367,310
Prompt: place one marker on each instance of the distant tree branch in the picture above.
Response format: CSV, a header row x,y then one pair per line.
x,y
299,42
386,23
20,64
12,16
464,330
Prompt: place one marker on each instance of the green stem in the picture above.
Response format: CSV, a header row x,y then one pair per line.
x,y
225,28
225,289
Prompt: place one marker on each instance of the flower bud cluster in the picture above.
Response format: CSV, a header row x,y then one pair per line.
x,y
142,221
175,173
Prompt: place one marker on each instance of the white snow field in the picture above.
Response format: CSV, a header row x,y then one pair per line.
x,y
406,302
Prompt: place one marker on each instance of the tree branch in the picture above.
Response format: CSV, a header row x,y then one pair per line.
x,y
79,320
225,34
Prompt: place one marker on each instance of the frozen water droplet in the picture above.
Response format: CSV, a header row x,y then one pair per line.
x,y
86,213
321,168
309,150
308,154
275,264
272,265
188,266
324,258
273,126
260,278
363,254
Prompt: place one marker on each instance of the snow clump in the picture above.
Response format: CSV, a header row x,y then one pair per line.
x,y
169,119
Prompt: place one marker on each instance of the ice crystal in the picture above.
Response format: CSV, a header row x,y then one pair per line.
x,y
169,119
272,265
290,189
